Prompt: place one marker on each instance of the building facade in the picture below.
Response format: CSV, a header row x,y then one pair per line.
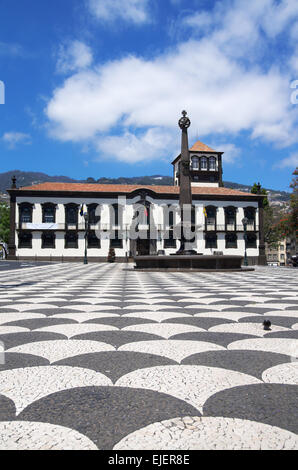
x,y
282,252
54,221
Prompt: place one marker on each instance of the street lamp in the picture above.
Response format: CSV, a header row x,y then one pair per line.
x,y
245,222
86,217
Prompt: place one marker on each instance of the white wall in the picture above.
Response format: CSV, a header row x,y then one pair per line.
x,y
157,213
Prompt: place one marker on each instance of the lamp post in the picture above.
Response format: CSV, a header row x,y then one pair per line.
x,y
86,217
245,222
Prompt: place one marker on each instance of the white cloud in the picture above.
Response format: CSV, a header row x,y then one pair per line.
x,y
231,152
74,56
289,162
10,49
130,103
294,31
14,138
134,11
152,144
201,20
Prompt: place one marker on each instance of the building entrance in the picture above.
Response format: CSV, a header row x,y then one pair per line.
x,y
143,247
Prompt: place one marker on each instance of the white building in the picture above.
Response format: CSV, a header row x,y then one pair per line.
x,y
46,223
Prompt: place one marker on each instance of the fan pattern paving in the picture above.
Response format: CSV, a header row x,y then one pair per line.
x,y
104,357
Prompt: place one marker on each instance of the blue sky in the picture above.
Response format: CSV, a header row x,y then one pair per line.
x,y
96,87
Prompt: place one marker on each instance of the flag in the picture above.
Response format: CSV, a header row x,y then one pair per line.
x,y
205,212
146,212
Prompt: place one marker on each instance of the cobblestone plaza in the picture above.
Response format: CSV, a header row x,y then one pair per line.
x,y
104,357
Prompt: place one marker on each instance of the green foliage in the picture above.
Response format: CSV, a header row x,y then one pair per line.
x,y
4,223
271,231
287,225
257,189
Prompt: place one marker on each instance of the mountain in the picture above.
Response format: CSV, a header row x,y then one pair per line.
x,y
28,178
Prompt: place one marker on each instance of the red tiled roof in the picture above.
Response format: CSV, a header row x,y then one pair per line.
x,y
200,147
128,188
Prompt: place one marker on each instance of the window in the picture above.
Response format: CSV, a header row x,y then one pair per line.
x,y
116,215
25,213
116,242
230,213
195,163
71,240
142,213
48,213
168,216
25,240
211,218
48,240
71,214
170,242
93,240
250,214
211,241
193,215
212,163
204,163
94,214
251,240
231,240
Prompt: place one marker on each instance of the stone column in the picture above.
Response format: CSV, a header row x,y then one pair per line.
x,y
185,185
185,197
12,233
262,261
220,170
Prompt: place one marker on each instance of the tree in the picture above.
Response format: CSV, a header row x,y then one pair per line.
x,y
4,223
288,224
257,189
271,230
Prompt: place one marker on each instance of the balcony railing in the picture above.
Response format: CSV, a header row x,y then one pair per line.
x,y
108,227
230,228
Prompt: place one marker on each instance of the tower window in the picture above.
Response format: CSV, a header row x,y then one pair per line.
x,y
212,163
204,163
195,163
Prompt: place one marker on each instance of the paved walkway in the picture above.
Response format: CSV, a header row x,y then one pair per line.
x,y
101,356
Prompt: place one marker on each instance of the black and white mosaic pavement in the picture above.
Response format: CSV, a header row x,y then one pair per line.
x,y
103,357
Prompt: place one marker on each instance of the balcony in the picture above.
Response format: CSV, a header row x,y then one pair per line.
x,y
230,228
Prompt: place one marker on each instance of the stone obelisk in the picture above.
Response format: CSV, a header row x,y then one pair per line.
x,y
185,198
